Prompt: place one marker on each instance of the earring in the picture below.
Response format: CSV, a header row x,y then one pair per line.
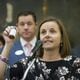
x,y
61,44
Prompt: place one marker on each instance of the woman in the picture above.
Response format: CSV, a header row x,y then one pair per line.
x,y
53,61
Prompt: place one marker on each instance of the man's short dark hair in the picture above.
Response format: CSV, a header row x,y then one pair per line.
x,y
26,13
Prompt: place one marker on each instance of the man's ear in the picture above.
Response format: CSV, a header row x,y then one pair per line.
x,y
17,27
36,27
16,24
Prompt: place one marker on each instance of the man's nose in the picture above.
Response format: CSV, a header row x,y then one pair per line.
x,y
26,26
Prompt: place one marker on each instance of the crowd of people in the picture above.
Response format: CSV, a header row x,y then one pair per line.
x,y
52,61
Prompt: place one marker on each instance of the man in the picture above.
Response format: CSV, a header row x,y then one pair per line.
x,y
26,27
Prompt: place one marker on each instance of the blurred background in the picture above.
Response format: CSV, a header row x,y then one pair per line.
x,y
67,10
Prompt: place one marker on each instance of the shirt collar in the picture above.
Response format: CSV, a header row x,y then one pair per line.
x,y
32,42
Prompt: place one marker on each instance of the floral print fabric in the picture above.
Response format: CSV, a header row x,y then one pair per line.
x,y
66,69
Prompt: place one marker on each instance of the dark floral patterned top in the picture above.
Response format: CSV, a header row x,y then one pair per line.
x,y
66,69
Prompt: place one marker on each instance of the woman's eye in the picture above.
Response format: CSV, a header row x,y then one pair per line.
x,y
43,31
52,31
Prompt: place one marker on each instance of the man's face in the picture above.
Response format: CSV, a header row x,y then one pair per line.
x,y
26,27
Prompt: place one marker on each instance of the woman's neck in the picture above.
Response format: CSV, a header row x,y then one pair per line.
x,y
51,55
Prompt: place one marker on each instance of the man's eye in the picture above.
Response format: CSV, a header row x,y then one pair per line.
x,y
29,23
22,24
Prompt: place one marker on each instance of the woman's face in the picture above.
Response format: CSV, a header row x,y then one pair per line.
x,y
50,35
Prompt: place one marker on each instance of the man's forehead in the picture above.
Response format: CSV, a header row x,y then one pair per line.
x,y
25,18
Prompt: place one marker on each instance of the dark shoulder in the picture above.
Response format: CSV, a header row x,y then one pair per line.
x,y
73,60
17,69
20,63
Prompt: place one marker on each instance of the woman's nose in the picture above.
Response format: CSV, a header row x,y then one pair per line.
x,y
47,34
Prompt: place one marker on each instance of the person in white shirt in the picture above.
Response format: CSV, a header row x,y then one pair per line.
x,y
26,27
